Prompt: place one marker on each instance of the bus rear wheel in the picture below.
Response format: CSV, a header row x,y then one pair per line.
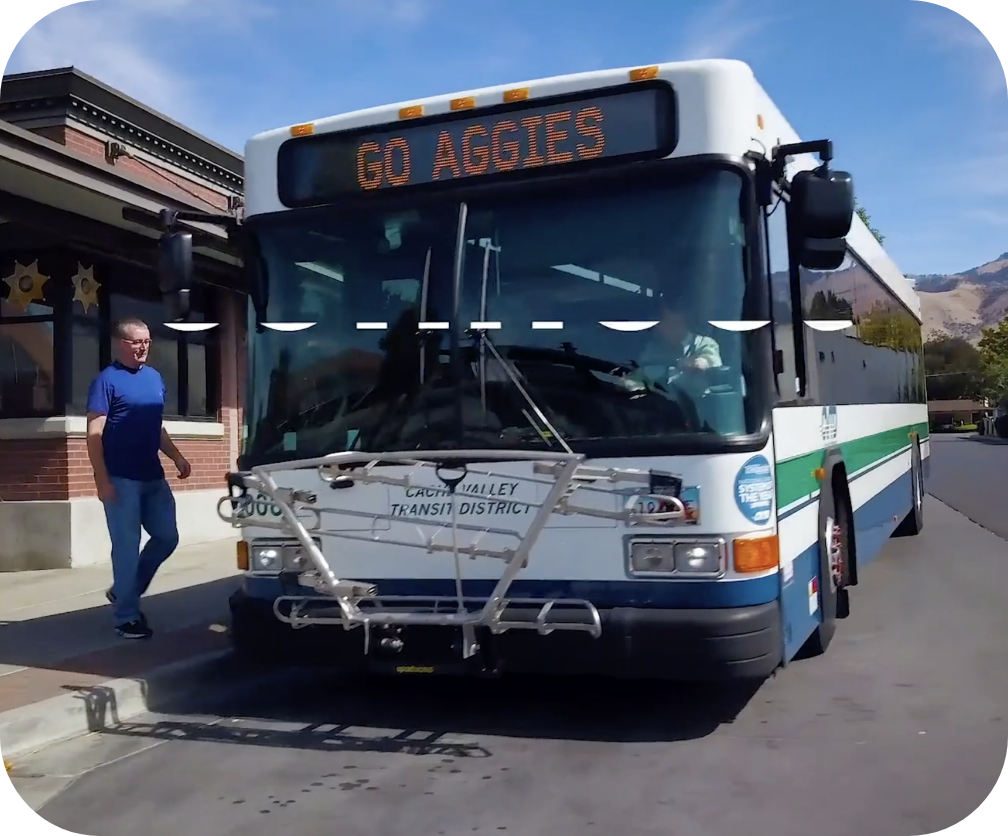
x,y
913,523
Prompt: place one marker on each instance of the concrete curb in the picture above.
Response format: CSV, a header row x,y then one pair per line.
x,y
27,729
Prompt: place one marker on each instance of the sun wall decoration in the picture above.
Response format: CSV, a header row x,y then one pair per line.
x,y
85,287
25,285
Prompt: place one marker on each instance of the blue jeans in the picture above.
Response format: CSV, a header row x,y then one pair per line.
x,y
152,506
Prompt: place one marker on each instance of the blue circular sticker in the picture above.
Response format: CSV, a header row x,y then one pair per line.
x,y
754,490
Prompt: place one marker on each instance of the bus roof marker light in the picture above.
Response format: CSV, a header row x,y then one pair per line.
x,y
288,327
411,112
741,325
644,73
518,94
306,129
464,103
627,325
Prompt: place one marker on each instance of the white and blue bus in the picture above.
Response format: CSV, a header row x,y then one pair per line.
x,y
627,319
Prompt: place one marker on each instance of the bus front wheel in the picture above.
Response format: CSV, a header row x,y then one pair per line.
x,y
834,563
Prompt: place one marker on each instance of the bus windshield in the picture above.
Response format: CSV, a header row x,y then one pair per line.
x,y
584,323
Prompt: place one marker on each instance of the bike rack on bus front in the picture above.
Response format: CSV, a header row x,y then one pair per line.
x,y
352,603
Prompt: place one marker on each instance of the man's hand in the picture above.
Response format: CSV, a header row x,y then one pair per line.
x,y
696,364
106,492
183,466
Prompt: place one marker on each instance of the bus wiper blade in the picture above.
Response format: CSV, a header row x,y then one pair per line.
x,y
512,374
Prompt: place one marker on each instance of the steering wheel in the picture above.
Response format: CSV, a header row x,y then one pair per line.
x,y
680,396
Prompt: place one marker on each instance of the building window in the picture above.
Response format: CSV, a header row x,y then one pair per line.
x,y
28,381
27,378
56,313
86,361
184,360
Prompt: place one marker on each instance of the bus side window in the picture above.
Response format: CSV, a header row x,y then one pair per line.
x,y
779,271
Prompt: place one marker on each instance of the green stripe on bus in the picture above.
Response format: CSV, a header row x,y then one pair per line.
x,y
796,477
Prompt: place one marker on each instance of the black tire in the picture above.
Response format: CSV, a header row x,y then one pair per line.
x,y
913,523
834,601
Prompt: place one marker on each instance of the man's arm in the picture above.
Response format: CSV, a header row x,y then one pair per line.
x,y
706,353
168,446
96,449
99,401
172,452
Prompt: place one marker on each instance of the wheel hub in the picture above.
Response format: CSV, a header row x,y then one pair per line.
x,y
835,550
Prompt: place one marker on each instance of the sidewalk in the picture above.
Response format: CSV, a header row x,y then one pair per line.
x,y
64,671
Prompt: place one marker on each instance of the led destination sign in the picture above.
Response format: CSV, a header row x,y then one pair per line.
x,y
627,124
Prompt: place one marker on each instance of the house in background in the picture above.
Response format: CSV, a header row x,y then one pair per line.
x,y
84,172
949,414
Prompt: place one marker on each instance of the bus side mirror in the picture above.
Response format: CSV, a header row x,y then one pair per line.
x,y
822,254
175,273
822,203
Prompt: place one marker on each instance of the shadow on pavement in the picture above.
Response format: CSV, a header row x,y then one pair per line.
x,y
983,439
83,641
319,710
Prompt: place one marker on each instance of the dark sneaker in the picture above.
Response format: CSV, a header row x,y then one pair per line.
x,y
111,599
134,630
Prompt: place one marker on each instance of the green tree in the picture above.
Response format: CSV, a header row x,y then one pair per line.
x,y
994,360
890,327
954,369
826,305
866,220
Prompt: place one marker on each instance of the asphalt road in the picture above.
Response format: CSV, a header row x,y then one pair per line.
x,y
970,474
900,729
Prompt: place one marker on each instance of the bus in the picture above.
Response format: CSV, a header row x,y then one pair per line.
x,y
598,374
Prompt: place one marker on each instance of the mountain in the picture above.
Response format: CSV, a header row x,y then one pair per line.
x,y
962,304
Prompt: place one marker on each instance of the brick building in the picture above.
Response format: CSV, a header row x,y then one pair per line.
x,y
84,170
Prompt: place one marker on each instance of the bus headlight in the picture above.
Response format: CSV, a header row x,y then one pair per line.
x,y
677,557
279,556
698,558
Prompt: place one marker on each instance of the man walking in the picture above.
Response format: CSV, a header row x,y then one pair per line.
x,y
125,433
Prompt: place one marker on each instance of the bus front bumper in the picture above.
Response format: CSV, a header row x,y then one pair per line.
x,y
684,645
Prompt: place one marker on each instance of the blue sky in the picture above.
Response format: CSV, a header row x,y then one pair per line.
x,y
912,94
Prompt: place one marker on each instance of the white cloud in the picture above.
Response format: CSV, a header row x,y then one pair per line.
x,y
721,30
128,45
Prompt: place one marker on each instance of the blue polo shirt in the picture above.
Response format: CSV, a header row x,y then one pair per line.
x,y
133,401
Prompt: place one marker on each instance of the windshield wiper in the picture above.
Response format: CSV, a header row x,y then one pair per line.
x,y
513,376
509,369
569,356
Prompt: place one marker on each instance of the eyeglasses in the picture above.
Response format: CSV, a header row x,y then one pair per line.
x,y
145,343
